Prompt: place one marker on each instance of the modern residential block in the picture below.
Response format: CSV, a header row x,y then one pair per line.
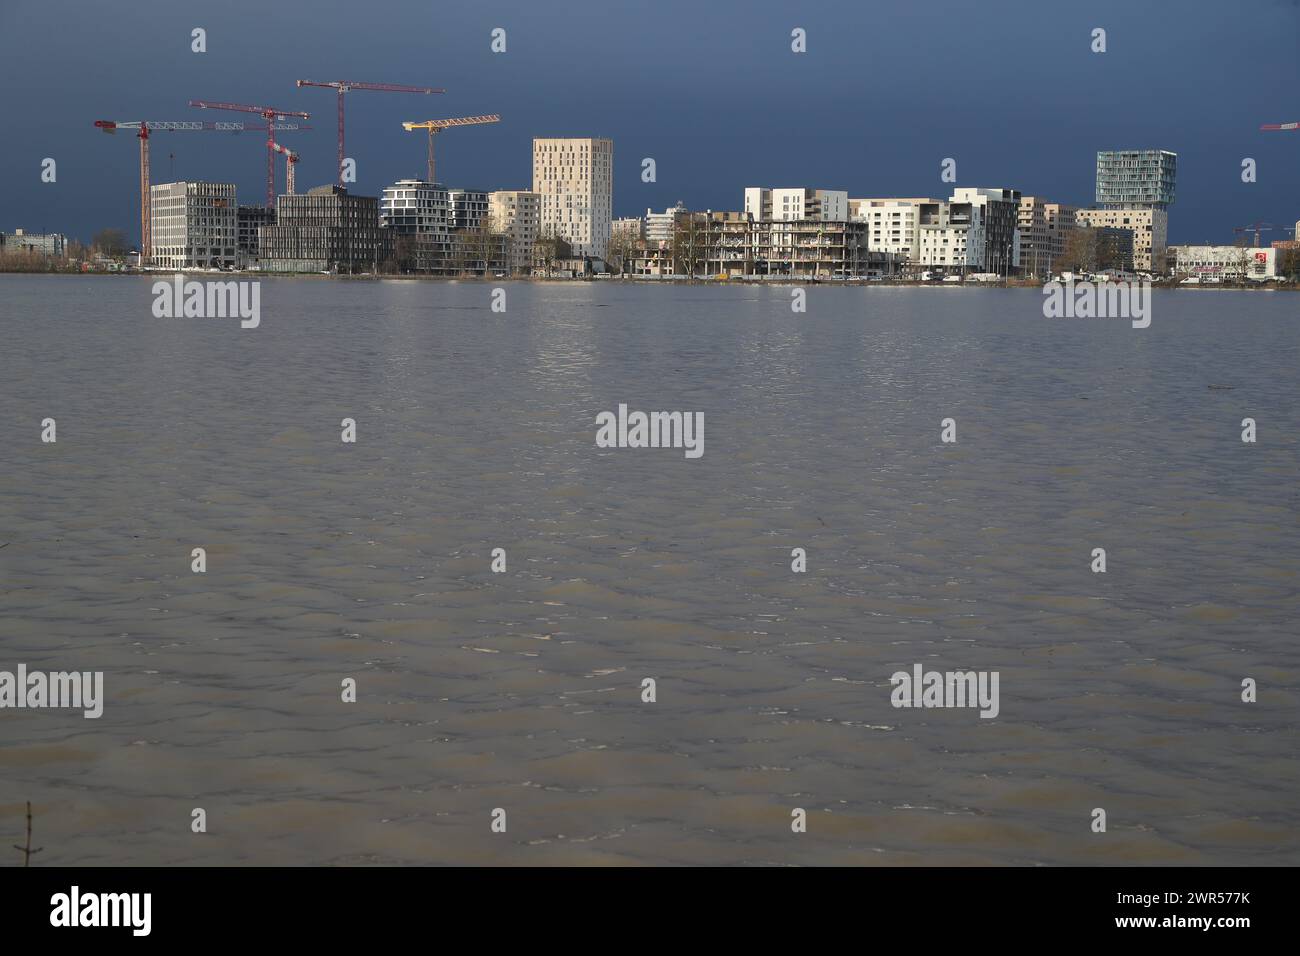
x,y
574,181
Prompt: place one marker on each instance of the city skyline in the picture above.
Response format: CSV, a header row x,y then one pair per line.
x,y
856,134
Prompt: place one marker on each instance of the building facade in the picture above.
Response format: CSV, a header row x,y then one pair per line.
x,y
1044,229
53,244
325,228
1224,262
795,204
418,215
1150,227
893,225
193,225
972,232
469,208
515,213
249,222
1136,178
574,182
734,245
659,225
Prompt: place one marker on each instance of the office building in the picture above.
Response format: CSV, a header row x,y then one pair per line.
x,y
193,225
325,229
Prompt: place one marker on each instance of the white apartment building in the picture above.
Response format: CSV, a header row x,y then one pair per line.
x,y
974,231
796,204
631,227
193,225
1150,227
412,207
893,225
659,225
1225,262
515,213
574,182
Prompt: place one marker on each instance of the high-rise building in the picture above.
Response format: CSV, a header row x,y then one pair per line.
x,y
325,228
514,214
1136,178
574,181
193,225
1150,228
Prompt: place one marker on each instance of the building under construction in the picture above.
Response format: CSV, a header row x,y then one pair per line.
x,y
325,229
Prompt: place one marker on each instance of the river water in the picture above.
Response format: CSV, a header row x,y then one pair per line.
x,y
522,690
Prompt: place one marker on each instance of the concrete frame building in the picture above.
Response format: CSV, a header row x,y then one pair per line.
x,y
193,225
734,245
515,213
574,181
325,228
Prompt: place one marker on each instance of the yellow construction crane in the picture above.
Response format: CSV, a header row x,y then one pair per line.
x,y
435,126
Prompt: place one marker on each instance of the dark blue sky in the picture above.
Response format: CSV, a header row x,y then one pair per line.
x,y
708,88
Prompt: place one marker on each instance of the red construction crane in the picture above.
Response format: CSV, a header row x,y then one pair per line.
x,y
143,127
342,86
270,114
1281,126
437,126
290,161
1257,228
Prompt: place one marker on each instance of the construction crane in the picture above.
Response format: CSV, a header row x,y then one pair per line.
x,y
142,129
1257,228
1294,126
342,86
270,114
290,161
437,126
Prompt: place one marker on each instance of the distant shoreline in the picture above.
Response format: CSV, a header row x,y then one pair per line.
x,y
1168,284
